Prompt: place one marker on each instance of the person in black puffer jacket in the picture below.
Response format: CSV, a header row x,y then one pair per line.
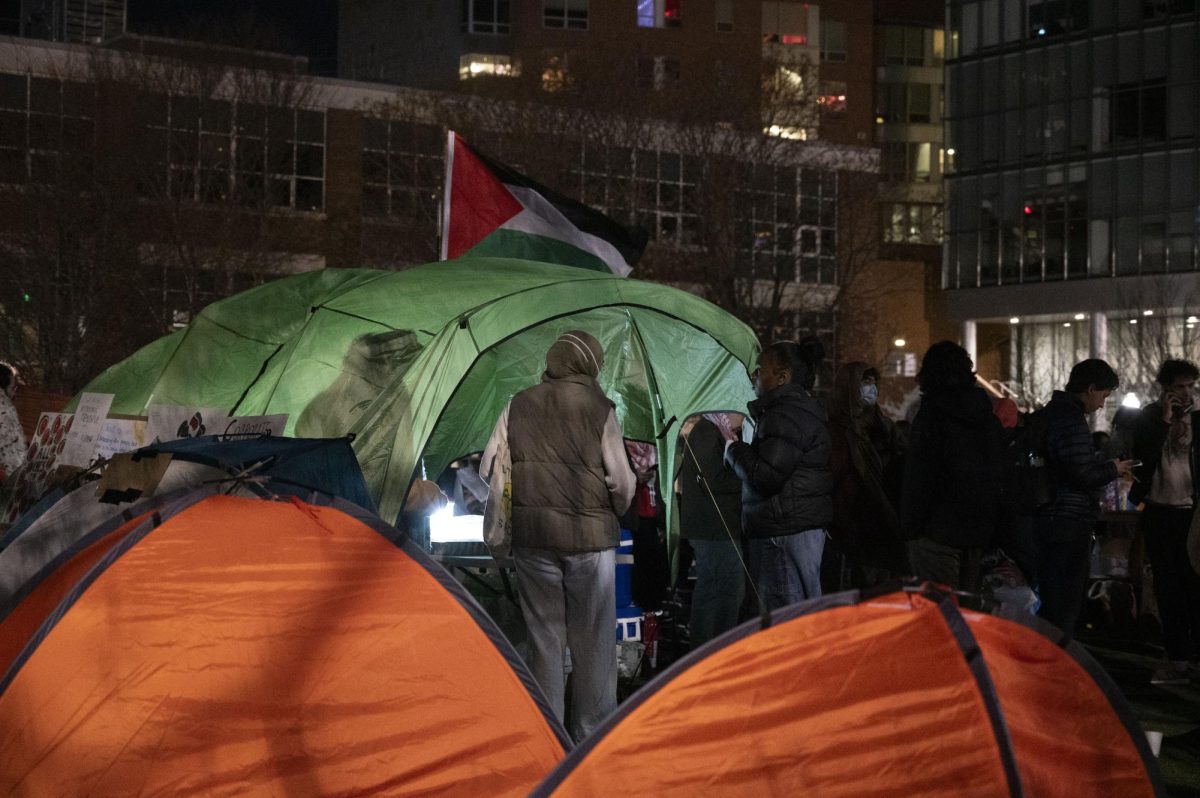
x,y
1063,531
787,487
952,474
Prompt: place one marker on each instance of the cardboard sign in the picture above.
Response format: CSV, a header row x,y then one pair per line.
x,y
79,448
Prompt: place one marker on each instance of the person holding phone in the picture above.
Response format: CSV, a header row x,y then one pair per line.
x,y
1063,530
1165,440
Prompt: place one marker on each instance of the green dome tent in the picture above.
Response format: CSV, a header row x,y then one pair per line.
x,y
418,364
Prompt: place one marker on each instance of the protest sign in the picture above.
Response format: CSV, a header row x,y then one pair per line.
x,y
172,422
31,479
79,446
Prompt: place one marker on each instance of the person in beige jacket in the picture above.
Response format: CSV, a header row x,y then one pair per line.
x,y
563,451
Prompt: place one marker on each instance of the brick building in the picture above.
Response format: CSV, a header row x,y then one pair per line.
x,y
152,177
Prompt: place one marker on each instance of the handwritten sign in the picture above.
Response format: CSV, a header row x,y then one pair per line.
x,y
79,448
120,435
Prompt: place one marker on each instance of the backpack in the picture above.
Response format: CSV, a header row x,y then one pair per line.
x,y
1028,480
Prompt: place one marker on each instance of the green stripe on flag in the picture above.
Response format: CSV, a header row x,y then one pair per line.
x,y
502,243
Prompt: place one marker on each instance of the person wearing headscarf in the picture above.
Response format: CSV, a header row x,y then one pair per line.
x,y
570,482
866,528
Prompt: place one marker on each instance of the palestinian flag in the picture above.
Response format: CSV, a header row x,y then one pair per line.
x,y
491,210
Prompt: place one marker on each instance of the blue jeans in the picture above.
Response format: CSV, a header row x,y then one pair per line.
x,y
720,586
787,569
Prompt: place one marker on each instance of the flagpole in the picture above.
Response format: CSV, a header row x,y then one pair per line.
x,y
445,244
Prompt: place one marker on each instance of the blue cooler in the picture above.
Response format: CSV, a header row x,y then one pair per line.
x,y
624,577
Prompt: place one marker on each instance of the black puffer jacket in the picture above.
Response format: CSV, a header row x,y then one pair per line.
x,y
953,471
1077,475
786,483
710,504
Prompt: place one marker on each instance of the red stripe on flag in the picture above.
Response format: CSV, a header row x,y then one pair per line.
x,y
479,202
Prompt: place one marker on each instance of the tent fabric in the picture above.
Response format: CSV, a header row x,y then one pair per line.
x,y
299,466
891,695
22,619
418,364
251,646
58,527
327,465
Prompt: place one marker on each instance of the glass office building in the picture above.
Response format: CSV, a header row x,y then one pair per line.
x,y
1072,166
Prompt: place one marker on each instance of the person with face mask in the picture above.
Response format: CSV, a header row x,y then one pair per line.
x,y
787,502
865,535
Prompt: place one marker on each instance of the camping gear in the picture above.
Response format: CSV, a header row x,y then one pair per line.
x,y
255,646
896,694
56,524
419,363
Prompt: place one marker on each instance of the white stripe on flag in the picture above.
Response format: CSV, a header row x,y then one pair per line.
x,y
543,219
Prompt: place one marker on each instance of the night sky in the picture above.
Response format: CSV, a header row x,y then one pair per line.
x,y
302,27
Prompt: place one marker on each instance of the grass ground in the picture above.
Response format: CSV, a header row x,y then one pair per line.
x,y
1174,710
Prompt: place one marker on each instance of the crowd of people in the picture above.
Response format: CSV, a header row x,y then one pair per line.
x,y
829,491
824,493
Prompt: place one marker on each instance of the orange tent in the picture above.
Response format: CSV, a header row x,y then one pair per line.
x,y
237,645
901,694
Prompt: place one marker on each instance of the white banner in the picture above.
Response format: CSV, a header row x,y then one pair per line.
x,y
172,422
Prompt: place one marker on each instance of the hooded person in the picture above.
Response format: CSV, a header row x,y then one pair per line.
x,y
570,480
866,527
786,484
953,472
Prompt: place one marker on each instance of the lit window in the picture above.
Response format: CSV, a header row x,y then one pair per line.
x,y
785,23
912,224
833,41
725,16
659,13
832,99
473,65
570,14
554,74
485,16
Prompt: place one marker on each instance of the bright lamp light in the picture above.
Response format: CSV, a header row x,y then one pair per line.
x,y
446,527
